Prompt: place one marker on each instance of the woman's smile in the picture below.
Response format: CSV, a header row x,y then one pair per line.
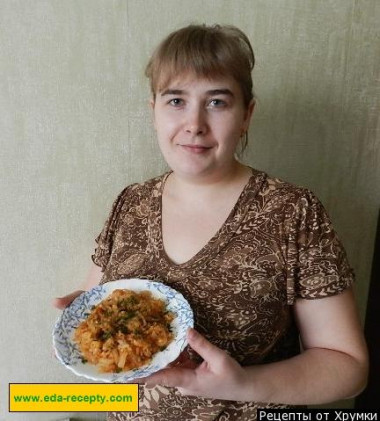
x,y
195,149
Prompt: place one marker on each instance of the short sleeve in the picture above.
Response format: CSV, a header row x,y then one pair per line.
x,y
105,239
317,264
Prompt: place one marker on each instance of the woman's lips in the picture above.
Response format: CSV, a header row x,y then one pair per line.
x,y
197,149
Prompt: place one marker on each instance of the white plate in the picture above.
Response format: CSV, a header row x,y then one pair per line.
x,y
68,352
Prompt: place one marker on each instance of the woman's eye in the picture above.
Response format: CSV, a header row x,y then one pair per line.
x,y
176,102
217,103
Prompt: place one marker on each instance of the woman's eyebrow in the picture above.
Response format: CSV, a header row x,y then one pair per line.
x,y
221,91
173,92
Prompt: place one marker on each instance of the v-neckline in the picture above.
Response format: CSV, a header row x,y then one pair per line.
x,y
221,236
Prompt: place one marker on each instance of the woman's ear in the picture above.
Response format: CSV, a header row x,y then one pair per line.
x,y
152,104
248,115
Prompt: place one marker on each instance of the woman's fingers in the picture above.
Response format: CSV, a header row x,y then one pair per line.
x,y
62,302
211,354
172,377
185,374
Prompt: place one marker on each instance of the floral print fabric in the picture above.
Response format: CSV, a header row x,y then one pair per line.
x,y
276,245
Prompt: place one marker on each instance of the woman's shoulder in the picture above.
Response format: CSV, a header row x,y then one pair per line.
x,y
272,187
275,193
142,190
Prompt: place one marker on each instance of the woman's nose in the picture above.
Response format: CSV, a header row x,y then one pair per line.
x,y
196,122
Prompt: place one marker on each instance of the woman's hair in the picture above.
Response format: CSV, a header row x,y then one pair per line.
x,y
206,51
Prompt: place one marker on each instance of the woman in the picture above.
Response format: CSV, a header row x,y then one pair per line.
x,y
257,258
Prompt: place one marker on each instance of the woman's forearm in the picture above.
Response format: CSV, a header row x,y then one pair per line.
x,y
316,376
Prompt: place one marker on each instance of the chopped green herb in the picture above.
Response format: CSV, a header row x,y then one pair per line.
x,y
105,335
127,316
124,329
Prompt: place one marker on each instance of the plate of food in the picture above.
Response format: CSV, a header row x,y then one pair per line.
x,y
122,330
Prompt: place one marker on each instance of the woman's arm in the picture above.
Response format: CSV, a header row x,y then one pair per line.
x,y
93,278
333,365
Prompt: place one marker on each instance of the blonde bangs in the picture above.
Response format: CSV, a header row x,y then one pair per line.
x,y
206,52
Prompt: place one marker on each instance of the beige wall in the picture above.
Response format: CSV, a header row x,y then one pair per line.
x,y
75,129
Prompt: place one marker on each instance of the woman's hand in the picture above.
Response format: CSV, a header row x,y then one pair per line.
x,y
93,279
62,302
219,376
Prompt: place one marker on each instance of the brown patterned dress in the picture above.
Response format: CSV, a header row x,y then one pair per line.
x,y
276,245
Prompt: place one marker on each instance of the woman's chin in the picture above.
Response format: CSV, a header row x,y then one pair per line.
x,y
199,172
192,171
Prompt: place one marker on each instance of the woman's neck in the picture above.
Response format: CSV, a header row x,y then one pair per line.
x,y
207,187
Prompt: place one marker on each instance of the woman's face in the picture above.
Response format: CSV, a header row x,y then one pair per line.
x,y
199,123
